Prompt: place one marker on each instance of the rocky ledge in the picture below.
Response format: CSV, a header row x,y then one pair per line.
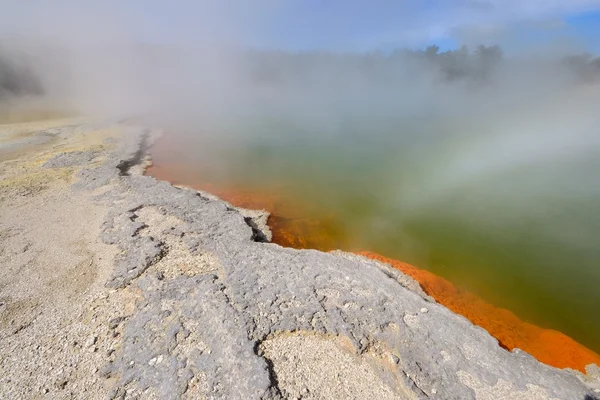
x,y
218,312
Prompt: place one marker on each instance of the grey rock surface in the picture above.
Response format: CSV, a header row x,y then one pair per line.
x,y
190,300
202,332
71,159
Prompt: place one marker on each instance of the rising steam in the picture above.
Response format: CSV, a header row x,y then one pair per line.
x,y
480,162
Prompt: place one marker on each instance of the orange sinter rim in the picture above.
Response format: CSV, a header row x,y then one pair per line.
x,y
548,346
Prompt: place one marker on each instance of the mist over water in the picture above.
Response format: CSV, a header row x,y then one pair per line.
x,y
479,164
492,184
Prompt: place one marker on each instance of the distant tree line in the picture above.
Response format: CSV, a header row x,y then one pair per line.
x,y
463,64
585,66
476,65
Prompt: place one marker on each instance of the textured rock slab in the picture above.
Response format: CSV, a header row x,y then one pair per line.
x,y
71,159
212,333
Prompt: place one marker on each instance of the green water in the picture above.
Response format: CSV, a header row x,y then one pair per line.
x,y
523,231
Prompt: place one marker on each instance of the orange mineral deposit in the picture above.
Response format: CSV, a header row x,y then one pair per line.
x,y
548,346
293,227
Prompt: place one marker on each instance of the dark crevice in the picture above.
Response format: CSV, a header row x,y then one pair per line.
x,y
22,327
505,347
204,198
133,217
416,389
136,209
164,250
257,234
125,165
274,390
139,229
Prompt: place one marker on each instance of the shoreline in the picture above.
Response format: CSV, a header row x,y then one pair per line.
x,y
547,345
181,298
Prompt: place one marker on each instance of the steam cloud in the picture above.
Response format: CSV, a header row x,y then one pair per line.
x,y
473,142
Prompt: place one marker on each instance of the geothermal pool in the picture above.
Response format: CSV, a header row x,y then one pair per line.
x,y
517,228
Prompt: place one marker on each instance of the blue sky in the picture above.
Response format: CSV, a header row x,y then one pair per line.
x,y
387,24
340,25
586,26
